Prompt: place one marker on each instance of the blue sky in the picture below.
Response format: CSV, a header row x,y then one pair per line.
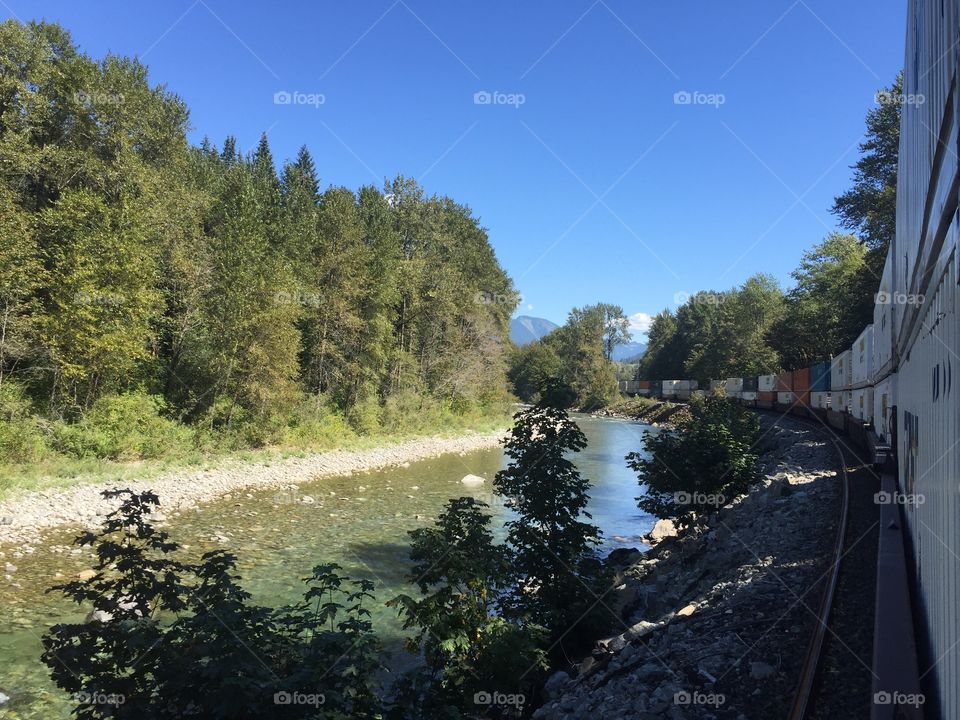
x,y
596,181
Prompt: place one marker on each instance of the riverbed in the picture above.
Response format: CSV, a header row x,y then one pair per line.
x,y
360,521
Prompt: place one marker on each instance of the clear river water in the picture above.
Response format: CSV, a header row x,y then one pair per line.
x,y
359,521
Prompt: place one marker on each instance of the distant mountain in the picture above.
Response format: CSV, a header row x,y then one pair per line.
x,y
630,352
525,329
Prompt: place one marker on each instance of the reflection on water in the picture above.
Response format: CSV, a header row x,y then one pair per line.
x,y
360,522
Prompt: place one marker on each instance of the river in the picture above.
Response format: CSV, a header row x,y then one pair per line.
x,y
359,521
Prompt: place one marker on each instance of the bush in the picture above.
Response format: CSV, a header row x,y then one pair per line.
x,y
218,655
705,462
124,427
316,424
364,416
21,437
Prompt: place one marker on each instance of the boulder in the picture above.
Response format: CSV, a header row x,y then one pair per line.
x,y
624,556
472,480
85,575
687,610
556,681
663,529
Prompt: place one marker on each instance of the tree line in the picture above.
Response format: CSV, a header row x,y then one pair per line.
x,y
575,360
758,328
220,291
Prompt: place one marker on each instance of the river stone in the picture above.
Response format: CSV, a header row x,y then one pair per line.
x,y
10,568
6,520
85,575
472,480
663,529
4,698
687,610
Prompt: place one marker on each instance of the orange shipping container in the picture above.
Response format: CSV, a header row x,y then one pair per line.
x,y
644,384
785,381
801,381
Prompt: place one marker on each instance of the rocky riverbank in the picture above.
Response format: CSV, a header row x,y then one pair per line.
x,y
714,624
24,517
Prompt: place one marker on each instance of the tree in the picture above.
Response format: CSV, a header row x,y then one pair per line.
x,y
466,646
870,206
557,575
705,462
828,307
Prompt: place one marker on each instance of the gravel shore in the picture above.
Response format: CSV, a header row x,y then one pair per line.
x,y
25,516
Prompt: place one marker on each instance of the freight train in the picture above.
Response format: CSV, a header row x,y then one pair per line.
x,y
894,386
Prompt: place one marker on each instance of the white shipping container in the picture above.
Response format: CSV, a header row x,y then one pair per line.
x,y
733,386
716,385
820,400
861,404
785,398
749,395
884,307
884,394
767,383
840,371
862,358
928,425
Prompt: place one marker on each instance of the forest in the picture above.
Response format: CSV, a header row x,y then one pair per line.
x,y
159,297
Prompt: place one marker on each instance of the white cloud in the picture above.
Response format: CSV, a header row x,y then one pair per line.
x,y
640,323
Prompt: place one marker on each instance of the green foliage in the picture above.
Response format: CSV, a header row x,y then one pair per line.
x,y
466,647
124,427
576,354
171,639
557,576
706,461
829,306
232,293
21,438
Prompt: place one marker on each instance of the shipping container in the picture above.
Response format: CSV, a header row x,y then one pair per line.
x,y
840,401
643,384
749,396
785,381
751,384
862,350
927,429
716,385
884,393
785,398
767,383
861,404
820,399
840,368
801,387
733,386
820,377
884,307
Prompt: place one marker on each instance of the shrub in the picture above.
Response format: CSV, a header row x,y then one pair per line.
x,y
558,578
704,462
124,427
316,423
467,649
222,656
21,438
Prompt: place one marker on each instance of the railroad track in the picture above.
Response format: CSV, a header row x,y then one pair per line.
x,y
812,658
